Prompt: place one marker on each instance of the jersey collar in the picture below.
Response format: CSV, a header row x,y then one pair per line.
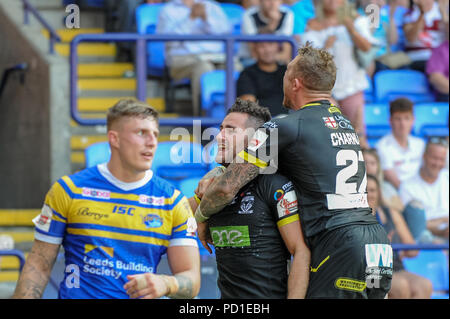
x,y
104,171
317,103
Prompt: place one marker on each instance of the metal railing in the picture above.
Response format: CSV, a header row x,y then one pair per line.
x,y
141,67
15,253
21,67
53,36
419,246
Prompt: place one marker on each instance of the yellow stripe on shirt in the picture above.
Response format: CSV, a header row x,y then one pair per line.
x,y
118,236
131,197
288,220
252,159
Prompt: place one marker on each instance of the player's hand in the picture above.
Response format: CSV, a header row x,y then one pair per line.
x,y
206,180
147,286
203,235
203,185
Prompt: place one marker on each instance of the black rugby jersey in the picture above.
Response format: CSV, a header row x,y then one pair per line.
x,y
252,259
318,149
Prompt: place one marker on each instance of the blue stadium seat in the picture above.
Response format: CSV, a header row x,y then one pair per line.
x,y
369,93
377,120
146,21
213,92
234,14
97,153
88,3
431,119
187,186
431,264
392,84
303,11
176,161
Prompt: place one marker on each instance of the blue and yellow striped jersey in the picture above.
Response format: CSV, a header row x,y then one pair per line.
x,y
110,230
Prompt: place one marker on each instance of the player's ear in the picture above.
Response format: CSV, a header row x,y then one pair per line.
x,y
297,84
113,138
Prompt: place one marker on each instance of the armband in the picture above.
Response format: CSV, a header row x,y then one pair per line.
x,y
199,217
197,199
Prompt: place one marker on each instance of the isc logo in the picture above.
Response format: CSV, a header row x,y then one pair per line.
x,y
123,210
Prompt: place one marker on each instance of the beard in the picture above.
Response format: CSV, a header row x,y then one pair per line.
x,y
287,103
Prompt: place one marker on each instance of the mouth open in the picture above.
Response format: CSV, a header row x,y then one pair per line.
x,y
147,155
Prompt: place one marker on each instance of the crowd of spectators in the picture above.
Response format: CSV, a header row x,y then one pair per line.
x,y
365,37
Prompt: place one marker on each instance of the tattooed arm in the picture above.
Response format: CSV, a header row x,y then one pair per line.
x,y
36,272
184,261
204,184
224,188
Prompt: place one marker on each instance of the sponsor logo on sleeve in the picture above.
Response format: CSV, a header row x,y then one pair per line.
x,y
43,220
191,226
287,204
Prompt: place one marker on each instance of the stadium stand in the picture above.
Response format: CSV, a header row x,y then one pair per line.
x,y
431,119
391,84
213,93
176,161
97,153
146,20
377,121
188,185
234,14
431,264
369,92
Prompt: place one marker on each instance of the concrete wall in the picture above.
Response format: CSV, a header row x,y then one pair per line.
x,y
34,116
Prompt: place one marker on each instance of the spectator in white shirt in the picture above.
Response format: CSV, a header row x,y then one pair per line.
x,y
430,188
400,152
190,59
269,17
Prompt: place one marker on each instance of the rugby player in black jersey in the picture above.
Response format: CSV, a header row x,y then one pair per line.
x,y
257,232
317,148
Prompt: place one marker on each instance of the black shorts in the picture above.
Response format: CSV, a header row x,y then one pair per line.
x,y
351,262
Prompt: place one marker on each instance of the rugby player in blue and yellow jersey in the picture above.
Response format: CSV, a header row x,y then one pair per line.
x,y
115,221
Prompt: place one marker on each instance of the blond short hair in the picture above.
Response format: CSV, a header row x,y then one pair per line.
x,y
316,68
130,108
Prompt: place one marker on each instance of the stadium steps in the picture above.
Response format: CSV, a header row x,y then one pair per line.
x,y
101,83
16,223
